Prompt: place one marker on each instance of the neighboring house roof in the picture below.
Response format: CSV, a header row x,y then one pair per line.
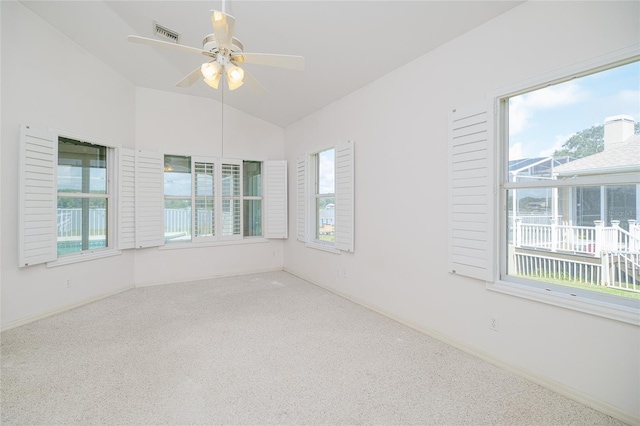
x,y
625,156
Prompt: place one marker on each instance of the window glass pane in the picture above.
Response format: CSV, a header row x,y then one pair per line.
x,y
205,205
230,180
325,212
230,217
326,172
82,167
577,131
576,127
177,220
177,176
82,224
252,218
621,204
252,178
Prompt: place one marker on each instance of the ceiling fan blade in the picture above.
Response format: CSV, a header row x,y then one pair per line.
x,y
223,26
191,78
166,44
291,62
252,84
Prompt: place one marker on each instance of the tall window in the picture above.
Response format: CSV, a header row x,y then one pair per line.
x,y
252,198
231,199
325,201
177,198
83,196
571,184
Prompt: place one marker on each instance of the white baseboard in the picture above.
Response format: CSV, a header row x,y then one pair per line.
x,y
557,387
207,277
24,321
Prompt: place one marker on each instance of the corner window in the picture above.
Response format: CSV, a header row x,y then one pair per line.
x,y
83,193
570,186
210,200
324,196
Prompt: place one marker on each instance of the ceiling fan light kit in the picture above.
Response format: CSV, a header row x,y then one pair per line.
x,y
226,53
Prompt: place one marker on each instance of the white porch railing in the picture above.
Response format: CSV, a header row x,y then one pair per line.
x,y
617,249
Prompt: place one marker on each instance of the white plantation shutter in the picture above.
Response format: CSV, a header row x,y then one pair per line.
x,y
471,193
344,180
204,219
231,201
275,200
301,203
127,199
149,199
38,196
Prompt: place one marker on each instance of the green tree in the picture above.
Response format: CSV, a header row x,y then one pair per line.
x,y
586,142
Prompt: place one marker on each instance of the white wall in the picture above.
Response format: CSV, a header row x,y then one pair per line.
x,y
185,125
399,125
50,82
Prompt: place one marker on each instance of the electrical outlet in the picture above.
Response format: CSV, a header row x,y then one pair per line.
x,y
344,273
494,323
68,283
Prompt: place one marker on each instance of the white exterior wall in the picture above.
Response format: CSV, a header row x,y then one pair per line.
x,y
399,126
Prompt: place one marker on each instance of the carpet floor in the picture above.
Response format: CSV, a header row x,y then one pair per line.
x,y
256,349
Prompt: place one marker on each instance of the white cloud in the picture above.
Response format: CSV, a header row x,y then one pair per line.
x,y
516,151
559,141
522,108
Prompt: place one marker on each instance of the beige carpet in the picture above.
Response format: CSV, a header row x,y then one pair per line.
x,y
257,349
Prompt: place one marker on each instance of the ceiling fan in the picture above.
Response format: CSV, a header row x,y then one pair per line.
x,y
226,55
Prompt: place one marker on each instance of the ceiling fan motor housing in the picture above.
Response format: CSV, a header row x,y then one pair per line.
x,y
210,44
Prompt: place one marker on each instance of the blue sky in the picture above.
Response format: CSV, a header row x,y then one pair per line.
x,y
541,121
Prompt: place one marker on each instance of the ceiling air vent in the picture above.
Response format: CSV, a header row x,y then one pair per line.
x,y
166,33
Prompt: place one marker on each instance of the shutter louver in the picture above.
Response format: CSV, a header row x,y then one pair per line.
x,y
149,199
38,196
344,178
275,199
231,205
470,193
204,189
301,203
127,200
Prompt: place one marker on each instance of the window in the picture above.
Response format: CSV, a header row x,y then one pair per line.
x,y
544,189
252,198
221,200
325,182
83,196
231,198
177,198
571,187
324,194
68,206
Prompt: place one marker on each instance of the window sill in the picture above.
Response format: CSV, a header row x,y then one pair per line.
x,y
323,247
628,313
190,245
83,256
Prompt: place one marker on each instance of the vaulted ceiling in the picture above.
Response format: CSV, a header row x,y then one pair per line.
x,y
346,44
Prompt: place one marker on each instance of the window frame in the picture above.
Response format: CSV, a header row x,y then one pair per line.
x,y
259,197
113,211
107,196
315,195
599,304
219,238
